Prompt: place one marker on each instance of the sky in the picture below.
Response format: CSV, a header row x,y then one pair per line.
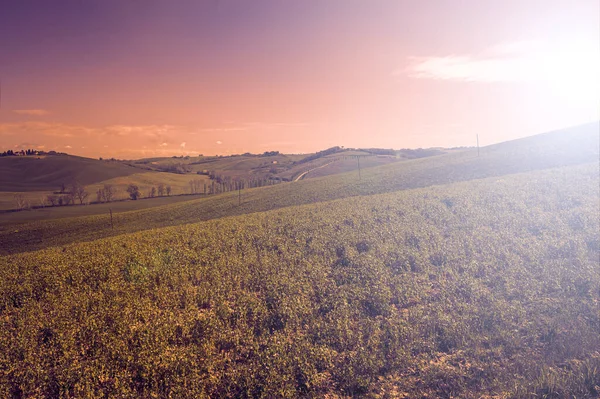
x,y
135,79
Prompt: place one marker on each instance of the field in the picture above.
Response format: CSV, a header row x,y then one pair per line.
x,y
574,146
477,288
143,179
454,276
60,212
47,173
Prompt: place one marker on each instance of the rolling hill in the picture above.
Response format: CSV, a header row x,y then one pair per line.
x,y
48,172
480,288
579,145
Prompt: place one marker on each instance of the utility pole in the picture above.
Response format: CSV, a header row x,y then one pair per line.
x,y
358,160
239,193
112,226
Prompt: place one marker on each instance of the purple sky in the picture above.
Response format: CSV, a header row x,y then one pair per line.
x,y
145,78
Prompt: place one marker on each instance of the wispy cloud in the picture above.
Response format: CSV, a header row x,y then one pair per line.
x,y
32,112
525,61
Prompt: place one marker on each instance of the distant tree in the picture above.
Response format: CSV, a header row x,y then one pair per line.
x,y
63,188
161,189
64,200
79,192
153,192
20,201
168,190
134,191
52,199
109,192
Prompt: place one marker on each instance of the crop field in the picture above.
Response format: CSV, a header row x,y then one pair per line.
x,y
484,288
349,163
144,180
60,212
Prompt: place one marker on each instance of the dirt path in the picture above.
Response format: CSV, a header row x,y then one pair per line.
x,y
301,175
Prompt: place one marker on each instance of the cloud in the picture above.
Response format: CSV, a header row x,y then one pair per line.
x,y
32,112
164,144
182,145
219,142
469,68
245,126
44,128
524,61
68,146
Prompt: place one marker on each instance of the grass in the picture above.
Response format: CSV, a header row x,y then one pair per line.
x,y
572,147
61,212
29,173
144,180
483,288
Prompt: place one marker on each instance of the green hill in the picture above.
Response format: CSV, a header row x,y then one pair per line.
x,y
567,147
483,288
48,172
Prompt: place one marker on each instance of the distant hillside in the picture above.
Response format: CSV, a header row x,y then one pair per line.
x,y
578,145
33,173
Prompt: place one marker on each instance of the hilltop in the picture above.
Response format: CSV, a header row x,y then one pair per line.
x,y
49,172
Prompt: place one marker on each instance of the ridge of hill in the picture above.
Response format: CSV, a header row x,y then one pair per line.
x,y
49,172
484,288
573,146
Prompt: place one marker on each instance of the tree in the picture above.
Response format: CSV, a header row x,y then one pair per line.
x,y
134,191
52,199
169,190
78,191
161,189
109,192
21,202
153,192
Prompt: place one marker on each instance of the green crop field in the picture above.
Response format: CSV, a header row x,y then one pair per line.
x,y
454,276
489,287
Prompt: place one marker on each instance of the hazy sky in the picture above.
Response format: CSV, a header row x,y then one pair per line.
x,y
133,79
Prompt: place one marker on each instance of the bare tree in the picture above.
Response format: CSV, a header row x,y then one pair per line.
x,y
169,190
153,192
161,189
106,193
20,201
195,186
78,191
52,199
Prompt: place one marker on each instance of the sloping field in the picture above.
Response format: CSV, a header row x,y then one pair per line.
x,y
487,288
143,179
570,147
48,172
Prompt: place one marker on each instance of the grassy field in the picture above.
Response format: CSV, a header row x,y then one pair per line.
x,y
483,288
47,173
143,179
575,146
454,276
60,212
349,164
